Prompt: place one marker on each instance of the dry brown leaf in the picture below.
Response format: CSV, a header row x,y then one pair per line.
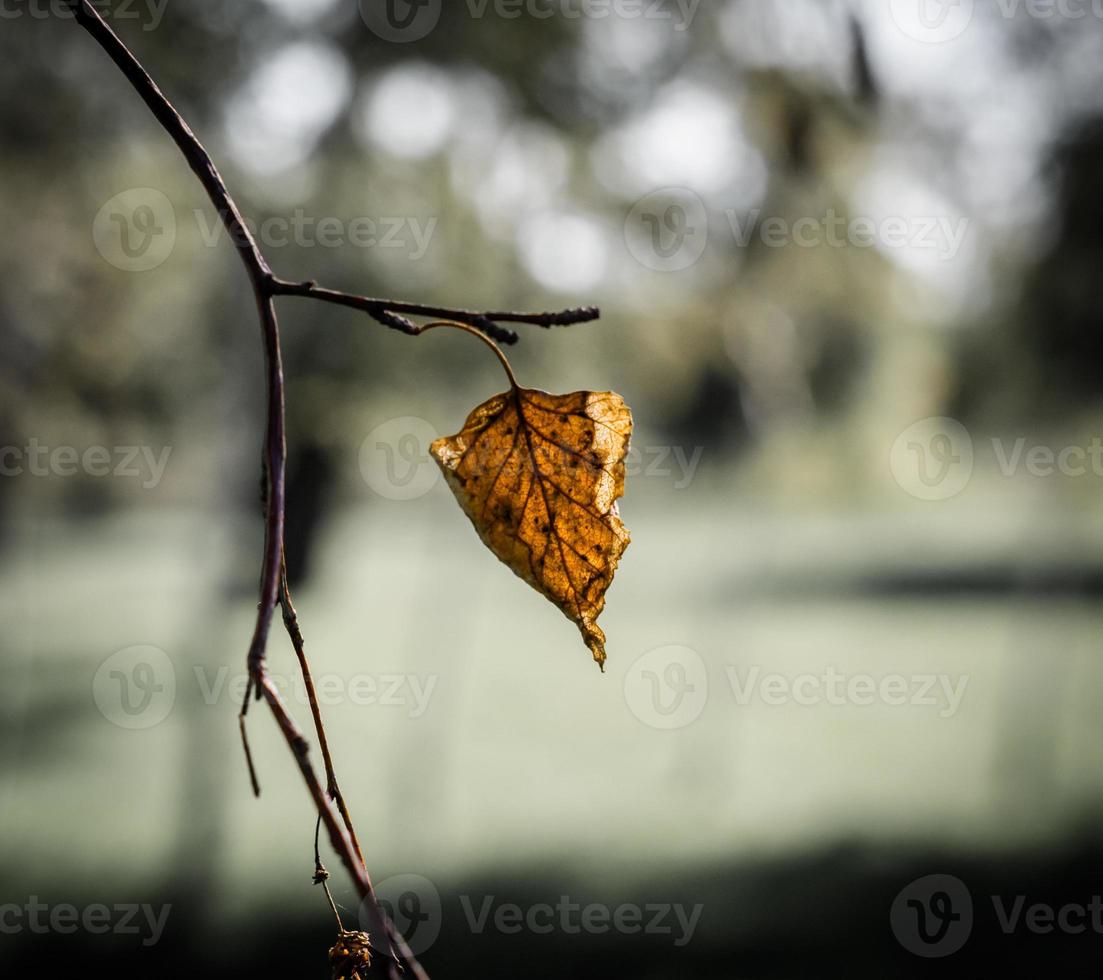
x,y
539,475
350,956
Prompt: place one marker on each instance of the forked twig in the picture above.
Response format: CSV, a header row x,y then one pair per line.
x,y
332,811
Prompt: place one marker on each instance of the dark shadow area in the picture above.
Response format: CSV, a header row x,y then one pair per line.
x,y
825,914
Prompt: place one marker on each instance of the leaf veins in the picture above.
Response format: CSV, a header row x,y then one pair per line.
x,y
539,476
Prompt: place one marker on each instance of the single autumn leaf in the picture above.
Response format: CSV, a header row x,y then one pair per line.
x,y
539,476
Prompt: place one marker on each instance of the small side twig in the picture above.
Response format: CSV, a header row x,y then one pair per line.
x,y
395,314
333,788
254,782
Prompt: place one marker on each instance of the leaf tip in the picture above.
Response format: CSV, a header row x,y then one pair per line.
x,y
594,638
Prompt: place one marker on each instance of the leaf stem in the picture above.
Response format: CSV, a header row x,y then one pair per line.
x,y
483,337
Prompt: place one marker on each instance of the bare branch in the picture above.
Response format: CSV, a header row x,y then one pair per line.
x,y
328,801
395,314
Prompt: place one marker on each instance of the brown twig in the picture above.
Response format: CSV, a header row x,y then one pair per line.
x,y
254,782
333,788
332,811
396,314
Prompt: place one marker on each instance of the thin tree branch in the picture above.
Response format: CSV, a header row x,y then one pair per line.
x,y
253,781
389,312
399,956
328,801
394,314
275,459
173,124
333,788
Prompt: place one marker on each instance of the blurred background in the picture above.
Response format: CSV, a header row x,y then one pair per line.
x,y
848,260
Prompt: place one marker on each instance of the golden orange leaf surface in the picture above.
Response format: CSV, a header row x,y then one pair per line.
x,y
539,476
